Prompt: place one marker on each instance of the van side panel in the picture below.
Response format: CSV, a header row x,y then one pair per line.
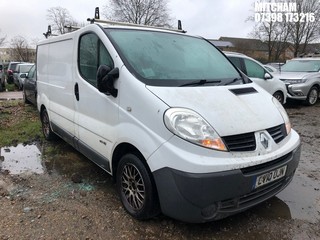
x,y
55,83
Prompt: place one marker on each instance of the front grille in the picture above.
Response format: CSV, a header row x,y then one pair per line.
x,y
278,133
256,196
241,142
247,142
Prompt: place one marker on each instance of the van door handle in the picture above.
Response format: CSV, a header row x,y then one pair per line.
x,y
76,91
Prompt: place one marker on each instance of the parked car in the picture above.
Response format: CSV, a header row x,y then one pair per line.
x,y
302,77
180,128
259,75
30,86
276,65
18,72
2,79
10,70
270,68
3,76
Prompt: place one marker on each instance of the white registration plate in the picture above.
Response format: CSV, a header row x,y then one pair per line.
x,y
270,176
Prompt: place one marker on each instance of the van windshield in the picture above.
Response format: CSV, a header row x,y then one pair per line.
x,y
169,59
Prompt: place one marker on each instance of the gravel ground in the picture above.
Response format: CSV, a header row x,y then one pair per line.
x,y
62,195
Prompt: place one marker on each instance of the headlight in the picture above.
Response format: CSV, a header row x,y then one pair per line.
x,y
192,127
283,114
295,81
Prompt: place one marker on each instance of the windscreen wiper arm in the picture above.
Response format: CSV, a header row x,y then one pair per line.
x,y
233,81
200,82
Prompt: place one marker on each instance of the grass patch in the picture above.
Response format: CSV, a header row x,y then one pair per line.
x,y
10,87
19,123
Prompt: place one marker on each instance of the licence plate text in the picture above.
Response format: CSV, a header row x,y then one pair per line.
x,y
270,176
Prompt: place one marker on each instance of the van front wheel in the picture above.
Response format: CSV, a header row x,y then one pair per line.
x,y
136,188
46,128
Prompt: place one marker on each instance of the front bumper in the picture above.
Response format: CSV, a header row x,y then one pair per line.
x,y
202,197
298,91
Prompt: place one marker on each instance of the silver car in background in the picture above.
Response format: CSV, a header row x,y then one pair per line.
x,y
21,69
302,78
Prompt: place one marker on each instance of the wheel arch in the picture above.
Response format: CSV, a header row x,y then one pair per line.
x,y
317,85
281,92
123,149
41,109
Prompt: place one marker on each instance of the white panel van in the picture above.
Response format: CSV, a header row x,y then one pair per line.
x,y
178,126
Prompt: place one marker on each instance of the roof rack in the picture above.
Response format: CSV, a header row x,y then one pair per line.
x,y
71,28
49,32
98,20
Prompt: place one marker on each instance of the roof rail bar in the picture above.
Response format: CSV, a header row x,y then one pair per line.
x,y
71,28
98,20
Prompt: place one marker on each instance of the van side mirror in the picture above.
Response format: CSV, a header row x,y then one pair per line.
x,y
105,80
267,76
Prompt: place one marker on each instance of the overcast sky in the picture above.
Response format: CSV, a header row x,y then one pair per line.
x,y
208,18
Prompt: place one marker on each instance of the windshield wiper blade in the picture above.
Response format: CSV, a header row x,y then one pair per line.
x,y
234,80
200,82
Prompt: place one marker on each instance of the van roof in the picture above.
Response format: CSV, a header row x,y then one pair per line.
x,y
106,24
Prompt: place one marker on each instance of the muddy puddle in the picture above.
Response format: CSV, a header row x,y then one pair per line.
x,y
21,159
300,200
302,197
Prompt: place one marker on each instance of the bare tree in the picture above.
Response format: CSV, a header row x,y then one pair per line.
x,y
20,49
145,12
59,18
298,28
274,33
304,31
2,39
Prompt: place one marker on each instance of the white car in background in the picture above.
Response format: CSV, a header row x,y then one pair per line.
x,y
259,75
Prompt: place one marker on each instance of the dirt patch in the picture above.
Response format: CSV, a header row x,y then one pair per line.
x,y
74,199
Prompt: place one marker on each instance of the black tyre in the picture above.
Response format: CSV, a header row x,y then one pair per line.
x,y
313,96
279,96
136,188
46,127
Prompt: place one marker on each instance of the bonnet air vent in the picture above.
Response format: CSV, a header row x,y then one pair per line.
x,y
242,91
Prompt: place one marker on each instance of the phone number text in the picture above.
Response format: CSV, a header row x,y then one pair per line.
x,y
284,17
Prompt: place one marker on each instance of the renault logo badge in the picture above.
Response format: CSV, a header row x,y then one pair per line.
x,y
264,140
